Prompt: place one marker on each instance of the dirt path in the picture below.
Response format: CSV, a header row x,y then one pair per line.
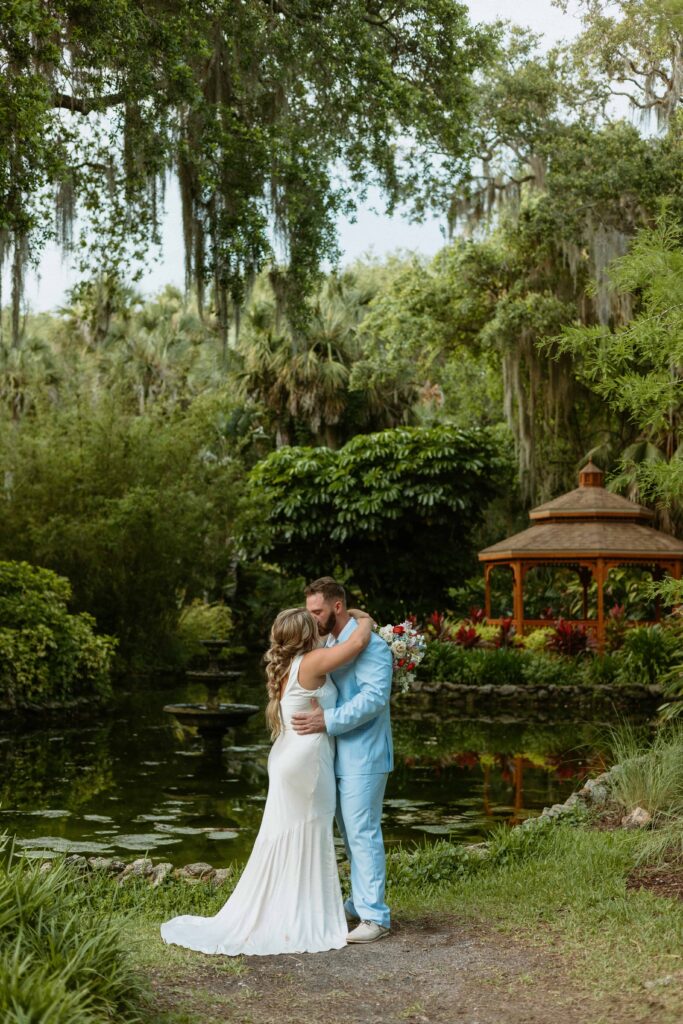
x,y
434,971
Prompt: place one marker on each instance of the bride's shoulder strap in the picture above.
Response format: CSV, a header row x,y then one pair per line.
x,y
293,672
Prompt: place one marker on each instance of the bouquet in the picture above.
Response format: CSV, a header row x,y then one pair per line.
x,y
407,648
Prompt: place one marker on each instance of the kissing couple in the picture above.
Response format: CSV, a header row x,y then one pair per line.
x,y
329,683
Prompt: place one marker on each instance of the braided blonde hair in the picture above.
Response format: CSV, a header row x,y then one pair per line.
x,y
294,632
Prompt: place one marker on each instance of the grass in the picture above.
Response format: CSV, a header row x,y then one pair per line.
x,y
561,886
565,887
90,957
650,773
62,960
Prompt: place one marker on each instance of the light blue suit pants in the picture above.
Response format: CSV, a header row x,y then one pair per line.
x,y
359,820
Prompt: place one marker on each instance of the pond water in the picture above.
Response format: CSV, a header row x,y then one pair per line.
x,y
127,783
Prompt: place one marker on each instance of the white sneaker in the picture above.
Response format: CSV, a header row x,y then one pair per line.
x,y
367,931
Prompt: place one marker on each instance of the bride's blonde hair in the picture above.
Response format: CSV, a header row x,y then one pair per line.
x,y
294,632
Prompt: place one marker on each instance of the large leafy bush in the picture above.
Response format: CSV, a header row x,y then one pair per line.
x,y
395,509
46,654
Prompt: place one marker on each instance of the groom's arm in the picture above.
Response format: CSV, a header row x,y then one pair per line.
x,y
373,671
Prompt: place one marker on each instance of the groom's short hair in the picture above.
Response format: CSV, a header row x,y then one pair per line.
x,y
328,587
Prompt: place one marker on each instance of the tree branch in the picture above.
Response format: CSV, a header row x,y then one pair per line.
x,y
85,105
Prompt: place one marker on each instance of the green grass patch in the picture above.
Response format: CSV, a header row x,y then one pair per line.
x,y
565,887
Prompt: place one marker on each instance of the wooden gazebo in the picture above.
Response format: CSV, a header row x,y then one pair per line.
x,y
591,531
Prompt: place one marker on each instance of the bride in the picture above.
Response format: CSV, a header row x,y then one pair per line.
x,y
288,899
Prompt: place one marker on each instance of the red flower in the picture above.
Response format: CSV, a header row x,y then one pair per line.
x,y
411,666
401,662
400,630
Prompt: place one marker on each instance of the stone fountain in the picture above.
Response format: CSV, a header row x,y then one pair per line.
x,y
213,719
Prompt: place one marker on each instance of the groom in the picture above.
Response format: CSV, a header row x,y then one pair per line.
x,y
360,723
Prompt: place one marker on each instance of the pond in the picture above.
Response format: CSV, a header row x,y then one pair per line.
x,y
126,783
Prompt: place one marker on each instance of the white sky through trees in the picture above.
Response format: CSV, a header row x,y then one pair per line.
x,y
372,233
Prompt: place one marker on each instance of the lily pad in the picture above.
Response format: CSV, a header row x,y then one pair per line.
x,y
97,817
144,841
224,834
50,813
434,830
57,844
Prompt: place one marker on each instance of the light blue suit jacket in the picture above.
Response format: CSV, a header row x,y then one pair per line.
x,y
360,721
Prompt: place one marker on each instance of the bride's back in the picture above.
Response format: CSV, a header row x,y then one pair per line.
x,y
296,698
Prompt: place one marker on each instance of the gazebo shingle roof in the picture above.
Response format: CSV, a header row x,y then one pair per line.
x,y
587,522
574,539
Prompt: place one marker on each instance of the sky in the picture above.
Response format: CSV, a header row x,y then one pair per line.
x,y
373,232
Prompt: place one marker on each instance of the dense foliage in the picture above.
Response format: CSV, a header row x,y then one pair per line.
x,y
137,437
393,511
274,116
646,655
62,957
46,654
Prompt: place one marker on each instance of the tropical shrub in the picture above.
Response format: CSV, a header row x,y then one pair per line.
x,y
46,654
497,667
649,652
536,639
62,958
354,509
446,662
602,670
541,668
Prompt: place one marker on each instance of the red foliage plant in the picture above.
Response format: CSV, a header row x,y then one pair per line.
x,y
467,636
506,634
570,639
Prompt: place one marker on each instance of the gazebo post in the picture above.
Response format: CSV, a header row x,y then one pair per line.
x,y
518,598
487,591
600,580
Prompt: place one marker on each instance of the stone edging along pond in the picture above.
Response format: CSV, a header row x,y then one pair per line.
x,y
595,794
509,697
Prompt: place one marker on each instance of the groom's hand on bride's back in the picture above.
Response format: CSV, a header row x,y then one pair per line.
x,y
311,721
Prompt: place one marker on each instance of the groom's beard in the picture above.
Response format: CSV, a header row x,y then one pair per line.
x,y
325,627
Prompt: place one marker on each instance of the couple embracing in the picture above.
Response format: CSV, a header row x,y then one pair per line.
x,y
328,712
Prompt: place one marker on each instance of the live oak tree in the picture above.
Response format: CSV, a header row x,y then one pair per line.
x,y
275,115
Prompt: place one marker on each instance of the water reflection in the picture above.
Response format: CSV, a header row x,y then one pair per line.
x,y
124,786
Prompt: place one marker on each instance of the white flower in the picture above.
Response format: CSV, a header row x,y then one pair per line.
x,y
387,633
400,648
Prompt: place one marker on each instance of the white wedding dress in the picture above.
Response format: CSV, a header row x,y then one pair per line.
x,y
288,899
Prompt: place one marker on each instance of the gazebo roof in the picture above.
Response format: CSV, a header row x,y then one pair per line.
x,y
588,522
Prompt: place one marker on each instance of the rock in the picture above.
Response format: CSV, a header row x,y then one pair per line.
x,y
198,872
100,863
638,818
77,862
571,801
479,851
599,795
117,866
140,868
507,690
220,876
46,866
159,872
